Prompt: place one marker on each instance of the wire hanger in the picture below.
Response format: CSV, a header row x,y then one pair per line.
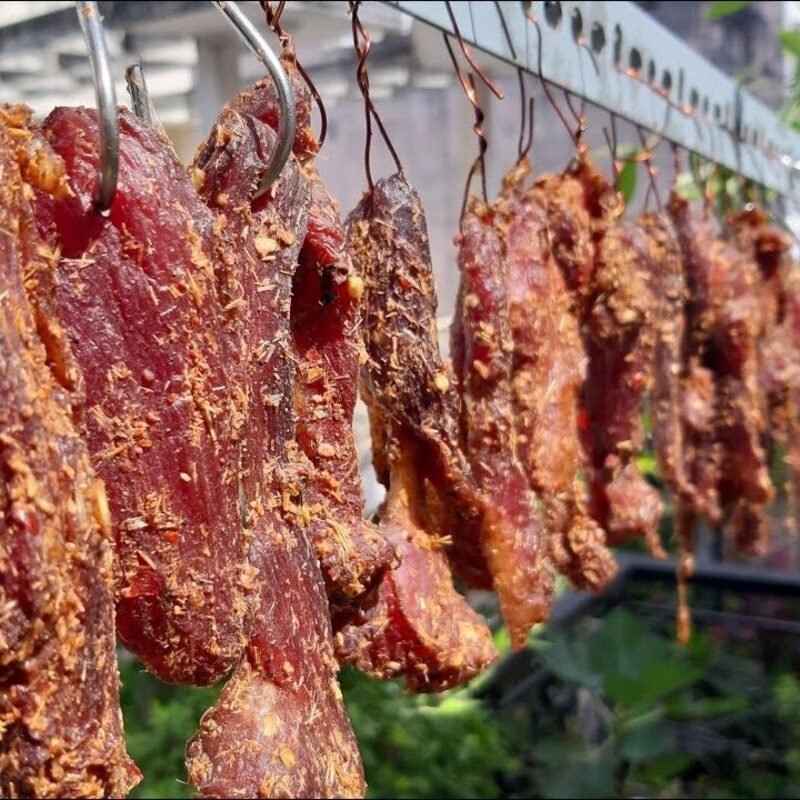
x,y
580,146
287,122
652,170
467,82
525,139
362,44
274,24
106,98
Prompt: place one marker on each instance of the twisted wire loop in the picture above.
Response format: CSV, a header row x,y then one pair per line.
x,y
580,120
612,142
363,44
652,171
576,141
273,17
467,82
470,90
467,52
525,139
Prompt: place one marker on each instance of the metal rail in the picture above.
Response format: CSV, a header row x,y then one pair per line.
x,y
619,58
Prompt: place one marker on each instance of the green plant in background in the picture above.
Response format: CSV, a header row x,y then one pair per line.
x,y
624,678
620,710
447,746
159,719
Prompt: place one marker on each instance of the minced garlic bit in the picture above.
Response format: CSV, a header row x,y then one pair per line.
x,y
355,287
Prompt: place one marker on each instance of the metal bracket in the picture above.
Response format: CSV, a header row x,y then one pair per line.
x,y
618,57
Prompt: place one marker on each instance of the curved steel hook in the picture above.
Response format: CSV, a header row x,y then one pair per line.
x,y
106,98
287,122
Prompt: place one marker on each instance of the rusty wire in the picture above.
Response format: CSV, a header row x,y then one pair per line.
x,y
545,86
287,43
652,171
363,44
479,164
465,49
526,104
612,142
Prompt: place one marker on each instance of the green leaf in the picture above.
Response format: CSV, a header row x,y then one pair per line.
x,y
627,181
790,43
725,8
649,739
655,681
570,662
576,772
662,769
706,708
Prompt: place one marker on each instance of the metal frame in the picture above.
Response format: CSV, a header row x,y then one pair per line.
x,y
619,58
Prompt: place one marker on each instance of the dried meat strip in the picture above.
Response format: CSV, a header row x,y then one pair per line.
x,y
514,530
327,346
279,728
135,292
765,248
698,237
669,287
413,625
60,722
619,332
725,322
723,414
605,262
406,385
549,366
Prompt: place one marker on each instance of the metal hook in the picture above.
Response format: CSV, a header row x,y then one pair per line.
x,y
580,118
526,105
287,122
106,98
612,143
651,171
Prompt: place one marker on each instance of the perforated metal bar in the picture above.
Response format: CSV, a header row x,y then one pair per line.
x,y
626,60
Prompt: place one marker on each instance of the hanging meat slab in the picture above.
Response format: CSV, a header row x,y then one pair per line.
x,y
725,323
514,530
413,625
408,388
279,728
619,333
669,287
60,722
417,625
776,370
134,290
549,367
604,262
327,346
